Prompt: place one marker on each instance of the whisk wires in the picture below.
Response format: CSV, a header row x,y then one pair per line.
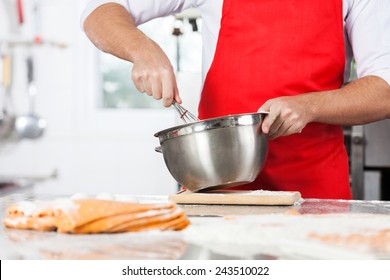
x,y
185,115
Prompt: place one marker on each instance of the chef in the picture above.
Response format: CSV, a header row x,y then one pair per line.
x,y
290,58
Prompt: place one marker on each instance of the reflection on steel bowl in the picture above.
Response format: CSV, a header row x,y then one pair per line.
x,y
215,153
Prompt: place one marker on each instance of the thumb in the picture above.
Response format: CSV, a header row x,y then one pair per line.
x,y
267,121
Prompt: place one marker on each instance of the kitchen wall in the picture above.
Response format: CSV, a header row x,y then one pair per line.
x,y
93,150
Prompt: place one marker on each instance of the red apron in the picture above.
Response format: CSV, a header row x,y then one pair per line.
x,y
273,48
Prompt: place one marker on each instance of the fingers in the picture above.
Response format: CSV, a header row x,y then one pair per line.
x,y
161,85
169,91
295,128
157,90
285,117
177,96
275,125
138,82
282,128
280,131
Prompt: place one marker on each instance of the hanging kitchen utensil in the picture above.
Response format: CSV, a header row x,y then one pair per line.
x,y
30,126
19,8
7,119
37,27
2,95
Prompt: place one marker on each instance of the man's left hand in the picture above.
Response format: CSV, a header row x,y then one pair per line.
x,y
287,115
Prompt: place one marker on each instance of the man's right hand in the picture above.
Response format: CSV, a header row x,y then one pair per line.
x,y
154,74
112,29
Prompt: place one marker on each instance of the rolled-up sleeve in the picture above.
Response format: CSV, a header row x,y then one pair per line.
x,y
143,10
368,28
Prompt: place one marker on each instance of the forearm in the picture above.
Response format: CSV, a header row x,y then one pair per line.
x,y
112,29
362,101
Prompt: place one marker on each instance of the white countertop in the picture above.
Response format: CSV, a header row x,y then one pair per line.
x,y
314,229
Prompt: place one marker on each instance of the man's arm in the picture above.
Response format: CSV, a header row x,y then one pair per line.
x,y
362,101
112,29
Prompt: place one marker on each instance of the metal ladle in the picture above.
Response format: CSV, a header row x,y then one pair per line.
x,y
30,126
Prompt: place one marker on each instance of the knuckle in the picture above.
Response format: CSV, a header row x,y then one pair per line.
x,y
297,127
287,113
166,72
135,76
295,117
138,76
154,75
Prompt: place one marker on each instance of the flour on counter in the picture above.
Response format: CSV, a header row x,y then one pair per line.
x,y
291,236
106,196
152,245
79,196
264,193
30,208
254,192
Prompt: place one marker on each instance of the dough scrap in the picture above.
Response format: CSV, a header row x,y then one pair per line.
x,y
85,216
378,241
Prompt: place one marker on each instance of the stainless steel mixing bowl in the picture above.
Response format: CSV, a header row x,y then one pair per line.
x,y
215,153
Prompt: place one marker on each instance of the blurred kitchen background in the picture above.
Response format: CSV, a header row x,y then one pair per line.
x,y
99,135
93,131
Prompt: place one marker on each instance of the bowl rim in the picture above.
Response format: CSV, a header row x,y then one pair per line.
x,y
209,124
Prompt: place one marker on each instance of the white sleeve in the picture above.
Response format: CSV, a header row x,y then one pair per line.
x,y
143,10
368,28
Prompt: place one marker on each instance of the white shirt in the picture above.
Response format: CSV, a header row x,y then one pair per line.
x,y
366,29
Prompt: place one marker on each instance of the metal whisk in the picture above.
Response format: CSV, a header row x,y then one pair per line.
x,y
185,115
